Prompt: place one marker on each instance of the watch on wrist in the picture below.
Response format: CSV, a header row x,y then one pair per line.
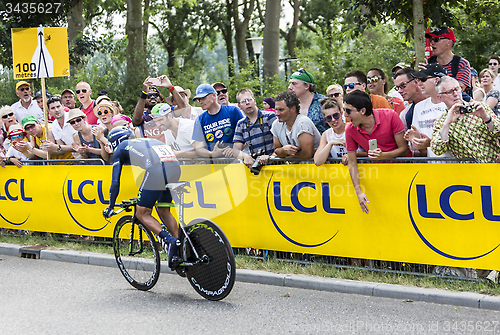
x,y
59,148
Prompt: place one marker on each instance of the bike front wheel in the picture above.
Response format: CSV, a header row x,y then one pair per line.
x,y
214,278
136,253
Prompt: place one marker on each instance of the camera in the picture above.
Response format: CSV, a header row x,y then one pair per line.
x,y
256,166
465,109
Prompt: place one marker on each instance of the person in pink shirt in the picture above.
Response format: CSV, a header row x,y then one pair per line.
x,y
367,123
83,92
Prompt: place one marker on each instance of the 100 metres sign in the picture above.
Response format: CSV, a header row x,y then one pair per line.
x,y
40,52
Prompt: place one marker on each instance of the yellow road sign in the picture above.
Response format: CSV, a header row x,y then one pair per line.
x,y
40,52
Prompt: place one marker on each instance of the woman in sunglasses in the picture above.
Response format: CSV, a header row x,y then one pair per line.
x,y
85,143
491,96
377,84
333,139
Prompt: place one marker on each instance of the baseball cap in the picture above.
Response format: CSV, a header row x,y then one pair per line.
x,y
442,32
179,89
73,113
15,129
68,90
431,70
400,65
20,83
303,75
39,94
218,84
120,117
203,90
102,92
473,72
27,120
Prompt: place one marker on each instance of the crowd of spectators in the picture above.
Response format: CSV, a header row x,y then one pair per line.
x,y
440,110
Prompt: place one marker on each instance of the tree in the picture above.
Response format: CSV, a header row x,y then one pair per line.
x,y
241,28
271,45
136,53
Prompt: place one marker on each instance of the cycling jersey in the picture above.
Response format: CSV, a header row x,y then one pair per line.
x,y
157,159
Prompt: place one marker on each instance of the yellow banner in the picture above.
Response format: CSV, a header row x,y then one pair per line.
x,y
442,214
40,52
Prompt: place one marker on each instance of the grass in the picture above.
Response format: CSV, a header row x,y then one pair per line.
x,y
273,265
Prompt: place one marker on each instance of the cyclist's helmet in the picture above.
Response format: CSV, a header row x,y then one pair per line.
x,y
118,135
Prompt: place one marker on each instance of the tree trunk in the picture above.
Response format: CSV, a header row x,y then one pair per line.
x,y
419,31
76,24
241,28
145,24
292,34
271,43
136,60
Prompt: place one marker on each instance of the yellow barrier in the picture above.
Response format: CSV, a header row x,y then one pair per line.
x,y
442,214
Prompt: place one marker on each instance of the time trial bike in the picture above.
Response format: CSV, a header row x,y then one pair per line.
x,y
206,256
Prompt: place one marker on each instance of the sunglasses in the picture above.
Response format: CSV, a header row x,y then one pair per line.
x,y
72,122
53,99
22,89
82,90
334,95
351,86
348,111
7,115
424,79
437,39
305,72
373,79
99,112
331,117
493,64
30,126
244,101
223,91
403,85
154,95
13,137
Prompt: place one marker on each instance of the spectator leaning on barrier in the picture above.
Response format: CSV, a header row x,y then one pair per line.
x,y
356,80
14,154
367,123
26,105
427,111
295,135
38,135
302,83
407,86
464,125
333,139
214,129
178,132
84,142
61,133
68,99
83,92
254,131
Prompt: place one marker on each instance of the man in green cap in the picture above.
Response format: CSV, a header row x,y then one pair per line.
x,y
37,136
302,83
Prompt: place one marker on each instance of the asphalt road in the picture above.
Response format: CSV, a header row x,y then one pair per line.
x,y
48,297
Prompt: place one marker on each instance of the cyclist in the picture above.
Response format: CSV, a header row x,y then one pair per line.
x,y
161,167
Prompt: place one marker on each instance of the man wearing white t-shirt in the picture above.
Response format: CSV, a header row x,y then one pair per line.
x,y
61,132
26,105
427,111
178,134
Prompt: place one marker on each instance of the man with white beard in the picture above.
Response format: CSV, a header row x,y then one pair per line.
x,y
26,105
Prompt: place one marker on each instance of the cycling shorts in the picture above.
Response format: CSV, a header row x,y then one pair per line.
x,y
152,189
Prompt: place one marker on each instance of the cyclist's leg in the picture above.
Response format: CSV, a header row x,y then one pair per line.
x,y
163,209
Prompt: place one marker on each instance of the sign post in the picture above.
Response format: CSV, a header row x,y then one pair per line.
x,y
40,53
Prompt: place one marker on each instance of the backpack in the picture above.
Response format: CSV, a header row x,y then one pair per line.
x,y
454,69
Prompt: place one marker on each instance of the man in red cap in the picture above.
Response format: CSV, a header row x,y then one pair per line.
x,y
442,41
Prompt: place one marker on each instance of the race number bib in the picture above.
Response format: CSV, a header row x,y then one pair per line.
x,y
165,153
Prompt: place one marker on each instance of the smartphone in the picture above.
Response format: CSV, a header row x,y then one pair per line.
x,y
155,81
372,144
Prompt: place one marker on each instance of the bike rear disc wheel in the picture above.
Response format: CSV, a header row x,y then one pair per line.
x,y
213,280
136,253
